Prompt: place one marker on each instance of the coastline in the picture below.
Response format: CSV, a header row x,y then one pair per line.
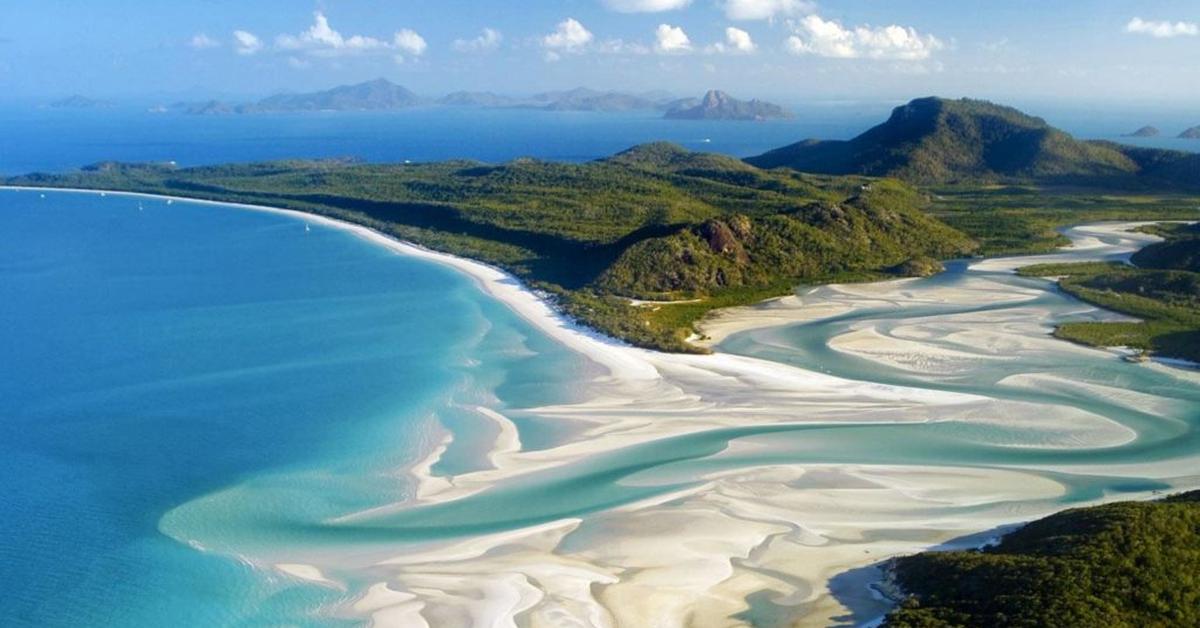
x,y
639,564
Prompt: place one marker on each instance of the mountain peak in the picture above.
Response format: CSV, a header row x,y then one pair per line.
x,y
718,105
715,97
377,94
937,140
1146,131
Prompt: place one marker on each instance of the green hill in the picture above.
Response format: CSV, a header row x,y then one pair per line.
x,y
940,141
881,227
655,220
1127,564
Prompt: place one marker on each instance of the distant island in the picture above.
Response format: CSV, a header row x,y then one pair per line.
x,y
80,102
1191,134
383,95
376,95
1146,131
717,105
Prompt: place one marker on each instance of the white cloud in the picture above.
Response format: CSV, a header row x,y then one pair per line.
x,y
765,9
246,43
201,41
1162,29
487,41
828,38
737,41
671,40
645,6
409,42
569,36
321,39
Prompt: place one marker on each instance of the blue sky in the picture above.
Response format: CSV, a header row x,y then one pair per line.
x,y
792,50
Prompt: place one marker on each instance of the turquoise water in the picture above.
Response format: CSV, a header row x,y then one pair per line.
x,y
154,355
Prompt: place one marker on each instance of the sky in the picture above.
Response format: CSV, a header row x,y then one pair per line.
x,y
1070,51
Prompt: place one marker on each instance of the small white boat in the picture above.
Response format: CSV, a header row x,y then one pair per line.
x,y
307,228
170,201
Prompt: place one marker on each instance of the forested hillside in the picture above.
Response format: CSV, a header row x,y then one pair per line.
x,y
940,141
1129,564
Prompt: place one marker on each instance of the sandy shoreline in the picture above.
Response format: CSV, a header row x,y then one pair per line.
x,y
694,557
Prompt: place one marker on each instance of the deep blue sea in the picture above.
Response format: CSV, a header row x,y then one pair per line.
x,y
52,140
153,353
36,139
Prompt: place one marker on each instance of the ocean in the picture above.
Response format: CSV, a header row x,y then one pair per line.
x,y
155,353
55,140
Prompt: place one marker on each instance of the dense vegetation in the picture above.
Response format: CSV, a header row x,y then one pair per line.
x,y
1013,220
880,227
655,221
1129,564
1165,299
940,141
1180,250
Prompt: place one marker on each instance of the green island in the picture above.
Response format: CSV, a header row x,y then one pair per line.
x,y
1121,564
643,244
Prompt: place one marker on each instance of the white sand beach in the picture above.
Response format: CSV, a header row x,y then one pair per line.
x,y
799,540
